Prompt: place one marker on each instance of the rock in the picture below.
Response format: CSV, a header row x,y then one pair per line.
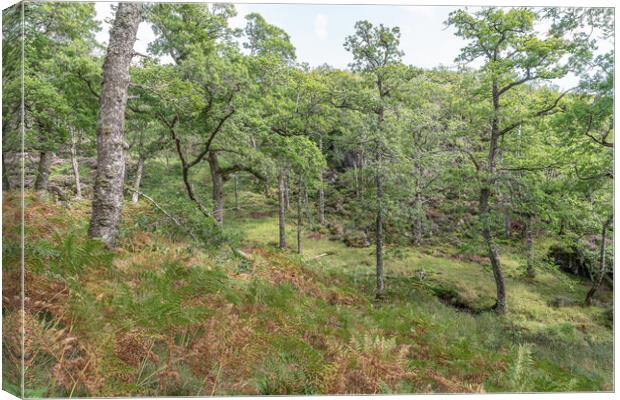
x,y
336,229
357,239
570,259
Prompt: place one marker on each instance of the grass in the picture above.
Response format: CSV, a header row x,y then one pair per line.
x,y
164,316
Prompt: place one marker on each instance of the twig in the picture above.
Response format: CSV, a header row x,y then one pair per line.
x,y
154,203
320,255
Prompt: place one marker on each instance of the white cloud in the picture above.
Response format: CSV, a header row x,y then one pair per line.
x,y
238,21
320,26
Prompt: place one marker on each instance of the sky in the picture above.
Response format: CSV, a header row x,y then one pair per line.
x,y
318,31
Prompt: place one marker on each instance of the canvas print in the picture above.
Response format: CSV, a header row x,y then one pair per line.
x,y
217,199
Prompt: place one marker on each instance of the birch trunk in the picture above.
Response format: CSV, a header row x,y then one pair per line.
x,y
137,180
217,182
76,168
281,210
602,262
108,190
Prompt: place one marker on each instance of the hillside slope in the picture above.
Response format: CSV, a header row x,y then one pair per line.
x,y
161,316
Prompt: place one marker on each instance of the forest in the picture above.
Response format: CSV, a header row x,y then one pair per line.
x,y
216,217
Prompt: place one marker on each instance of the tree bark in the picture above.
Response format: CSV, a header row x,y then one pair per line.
x,y
236,192
530,246
287,198
321,190
217,181
417,222
299,216
43,170
379,186
6,183
76,168
137,181
485,194
281,210
108,190
379,232
602,262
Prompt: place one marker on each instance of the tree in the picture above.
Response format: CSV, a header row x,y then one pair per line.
x,y
513,55
109,182
264,39
375,53
53,32
196,97
11,88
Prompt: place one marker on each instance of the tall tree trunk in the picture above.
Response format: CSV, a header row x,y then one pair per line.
x,y
217,181
43,170
236,192
108,191
299,216
76,167
485,194
137,180
417,222
321,189
379,186
6,183
602,262
281,210
357,182
287,194
379,232
530,245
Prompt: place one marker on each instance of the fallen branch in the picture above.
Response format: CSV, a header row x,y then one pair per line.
x,y
320,255
241,254
160,208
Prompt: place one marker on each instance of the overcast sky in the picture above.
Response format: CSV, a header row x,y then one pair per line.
x,y
318,31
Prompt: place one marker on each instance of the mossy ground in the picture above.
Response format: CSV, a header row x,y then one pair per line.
x,y
161,316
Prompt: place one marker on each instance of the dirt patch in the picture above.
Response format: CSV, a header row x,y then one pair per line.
x,y
260,214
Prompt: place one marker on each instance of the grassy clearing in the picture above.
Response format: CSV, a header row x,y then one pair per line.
x,y
161,316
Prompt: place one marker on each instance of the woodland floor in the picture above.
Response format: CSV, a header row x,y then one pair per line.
x,y
161,316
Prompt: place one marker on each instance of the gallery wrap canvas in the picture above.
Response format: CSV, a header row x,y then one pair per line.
x,y
216,199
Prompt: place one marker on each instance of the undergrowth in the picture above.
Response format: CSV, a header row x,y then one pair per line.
x,y
161,316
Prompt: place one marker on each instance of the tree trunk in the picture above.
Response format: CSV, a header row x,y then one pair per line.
x,y
43,171
299,218
379,232
602,262
357,183
530,246
287,198
6,183
236,192
500,305
217,181
281,210
76,168
417,223
485,194
109,181
321,190
137,180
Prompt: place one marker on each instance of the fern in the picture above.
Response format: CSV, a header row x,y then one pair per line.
x,y
520,372
69,255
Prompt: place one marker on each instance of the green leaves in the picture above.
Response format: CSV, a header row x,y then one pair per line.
x,y
373,47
